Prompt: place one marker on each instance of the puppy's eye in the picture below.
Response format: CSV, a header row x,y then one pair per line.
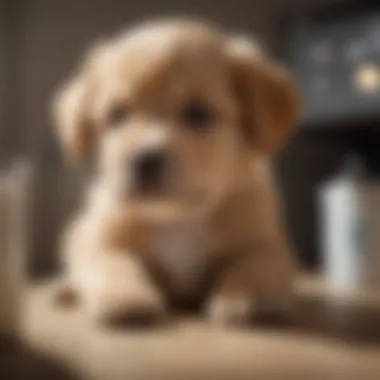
x,y
197,115
116,114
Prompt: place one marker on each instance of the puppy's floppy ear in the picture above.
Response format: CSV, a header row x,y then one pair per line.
x,y
270,102
73,110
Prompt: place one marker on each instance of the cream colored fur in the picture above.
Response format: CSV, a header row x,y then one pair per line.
x,y
219,223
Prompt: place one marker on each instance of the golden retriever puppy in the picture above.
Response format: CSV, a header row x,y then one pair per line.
x,y
182,120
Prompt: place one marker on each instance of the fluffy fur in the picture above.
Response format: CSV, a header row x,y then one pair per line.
x,y
215,234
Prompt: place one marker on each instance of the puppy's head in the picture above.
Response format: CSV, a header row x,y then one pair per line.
x,y
173,112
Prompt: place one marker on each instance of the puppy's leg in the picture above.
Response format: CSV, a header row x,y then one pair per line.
x,y
260,283
115,288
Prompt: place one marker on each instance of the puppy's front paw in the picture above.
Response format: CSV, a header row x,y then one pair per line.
x,y
141,305
231,310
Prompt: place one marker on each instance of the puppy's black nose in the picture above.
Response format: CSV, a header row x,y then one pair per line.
x,y
149,168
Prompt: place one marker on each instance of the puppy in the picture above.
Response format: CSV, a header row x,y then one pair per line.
x,y
182,120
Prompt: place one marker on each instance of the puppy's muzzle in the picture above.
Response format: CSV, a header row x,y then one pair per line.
x,y
150,168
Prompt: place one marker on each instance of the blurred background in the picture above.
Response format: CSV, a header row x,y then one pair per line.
x,y
329,173
332,47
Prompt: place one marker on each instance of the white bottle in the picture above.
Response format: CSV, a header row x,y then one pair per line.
x,y
344,228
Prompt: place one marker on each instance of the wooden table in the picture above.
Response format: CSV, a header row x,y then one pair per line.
x,y
322,340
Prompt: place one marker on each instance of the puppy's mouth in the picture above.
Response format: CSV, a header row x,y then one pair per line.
x,y
155,186
160,206
150,192
160,202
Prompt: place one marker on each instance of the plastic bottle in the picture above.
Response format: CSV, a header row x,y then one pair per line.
x,y
344,226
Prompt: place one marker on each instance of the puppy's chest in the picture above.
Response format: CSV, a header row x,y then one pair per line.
x,y
181,251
